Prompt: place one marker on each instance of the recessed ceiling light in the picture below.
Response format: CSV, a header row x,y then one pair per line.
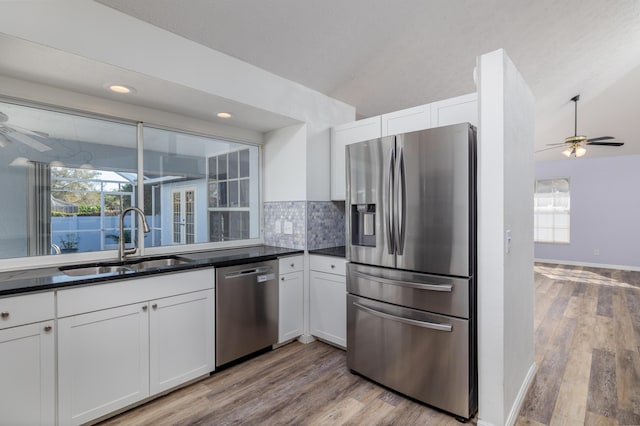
x,y
223,115
118,88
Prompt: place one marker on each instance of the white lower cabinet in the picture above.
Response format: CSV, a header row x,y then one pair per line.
x,y
180,335
290,298
328,299
103,362
27,374
121,354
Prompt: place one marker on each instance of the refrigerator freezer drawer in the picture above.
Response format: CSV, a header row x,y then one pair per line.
x,y
424,356
442,295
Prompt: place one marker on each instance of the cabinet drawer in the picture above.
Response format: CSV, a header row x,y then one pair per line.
x,y
290,264
328,264
18,310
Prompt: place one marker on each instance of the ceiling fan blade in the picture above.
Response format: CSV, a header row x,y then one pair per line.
x,y
27,140
29,132
601,138
606,143
546,149
556,144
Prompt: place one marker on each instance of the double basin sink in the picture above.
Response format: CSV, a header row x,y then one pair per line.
x,y
127,266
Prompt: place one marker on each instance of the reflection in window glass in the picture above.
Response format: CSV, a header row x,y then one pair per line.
x,y
65,179
198,198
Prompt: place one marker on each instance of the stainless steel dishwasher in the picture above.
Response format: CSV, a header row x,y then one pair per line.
x,y
246,309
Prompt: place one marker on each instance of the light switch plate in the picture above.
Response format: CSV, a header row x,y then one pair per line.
x,y
288,227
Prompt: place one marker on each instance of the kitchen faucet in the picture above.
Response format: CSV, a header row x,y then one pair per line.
x,y
123,252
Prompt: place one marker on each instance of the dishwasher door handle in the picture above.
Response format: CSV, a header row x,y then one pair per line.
x,y
260,271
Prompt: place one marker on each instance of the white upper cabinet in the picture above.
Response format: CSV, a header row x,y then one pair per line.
x,y
406,120
461,109
341,136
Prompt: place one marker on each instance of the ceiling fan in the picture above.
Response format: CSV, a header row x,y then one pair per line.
x,y
10,133
575,144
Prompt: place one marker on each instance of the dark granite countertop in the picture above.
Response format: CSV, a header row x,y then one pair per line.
x,y
331,251
50,278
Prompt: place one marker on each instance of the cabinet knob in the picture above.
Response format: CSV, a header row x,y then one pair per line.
x,y
281,278
333,266
4,315
47,328
145,307
292,265
154,306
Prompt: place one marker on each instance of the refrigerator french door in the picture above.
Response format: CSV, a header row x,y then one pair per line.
x,y
411,277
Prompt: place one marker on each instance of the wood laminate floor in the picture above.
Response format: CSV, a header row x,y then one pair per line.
x,y
587,335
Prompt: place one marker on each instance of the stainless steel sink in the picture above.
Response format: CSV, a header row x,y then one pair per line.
x,y
123,267
157,263
96,270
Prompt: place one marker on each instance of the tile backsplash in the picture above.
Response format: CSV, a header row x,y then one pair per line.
x,y
304,224
325,224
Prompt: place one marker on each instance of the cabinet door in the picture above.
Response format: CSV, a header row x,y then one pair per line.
x,y
290,315
103,362
406,120
461,109
328,307
27,372
181,339
341,136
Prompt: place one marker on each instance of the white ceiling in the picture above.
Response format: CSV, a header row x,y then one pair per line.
x,y
385,55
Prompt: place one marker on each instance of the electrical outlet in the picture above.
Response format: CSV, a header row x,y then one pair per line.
x,y
596,252
277,227
288,227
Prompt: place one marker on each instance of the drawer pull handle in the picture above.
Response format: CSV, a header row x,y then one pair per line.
x,y
4,315
154,306
47,328
145,307
409,321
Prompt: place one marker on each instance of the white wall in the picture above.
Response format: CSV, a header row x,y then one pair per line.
x,y
505,202
95,31
285,154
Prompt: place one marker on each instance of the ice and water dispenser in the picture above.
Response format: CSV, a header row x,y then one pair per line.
x,y
363,225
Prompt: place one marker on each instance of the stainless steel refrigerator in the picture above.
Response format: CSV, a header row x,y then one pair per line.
x,y
411,239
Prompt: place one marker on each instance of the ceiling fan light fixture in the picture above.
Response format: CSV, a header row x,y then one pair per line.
x,y
580,151
567,152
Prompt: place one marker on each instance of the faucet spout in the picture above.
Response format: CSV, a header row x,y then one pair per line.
x,y
123,252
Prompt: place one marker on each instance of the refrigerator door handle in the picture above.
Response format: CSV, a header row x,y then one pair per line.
x,y
431,325
400,202
388,208
432,287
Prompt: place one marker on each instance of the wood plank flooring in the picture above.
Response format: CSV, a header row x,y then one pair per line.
x,y
587,334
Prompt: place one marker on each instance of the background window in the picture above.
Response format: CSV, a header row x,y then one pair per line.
x,y
551,208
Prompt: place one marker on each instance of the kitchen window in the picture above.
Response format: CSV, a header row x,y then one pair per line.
x,y
67,176
552,211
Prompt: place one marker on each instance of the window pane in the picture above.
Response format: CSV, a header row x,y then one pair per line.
x,y
244,163
244,193
222,167
213,167
233,165
222,191
233,193
67,158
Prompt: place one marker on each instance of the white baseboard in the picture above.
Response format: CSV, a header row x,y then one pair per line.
x,y
517,404
593,265
306,338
